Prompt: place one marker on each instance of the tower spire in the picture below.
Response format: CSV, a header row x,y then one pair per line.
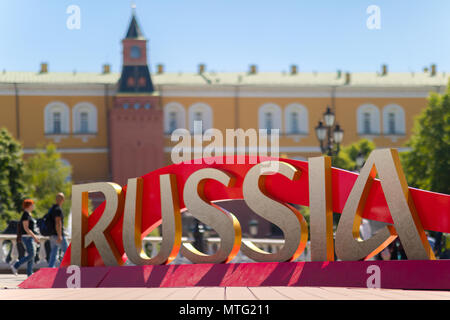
x,y
134,31
135,72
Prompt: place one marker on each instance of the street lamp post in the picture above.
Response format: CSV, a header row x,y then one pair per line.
x,y
329,135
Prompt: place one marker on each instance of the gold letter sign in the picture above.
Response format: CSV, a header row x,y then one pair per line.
x,y
99,234
225,223
320,209
171,222
285,216
406,220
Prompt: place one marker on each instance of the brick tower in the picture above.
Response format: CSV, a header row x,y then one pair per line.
x,y
136,119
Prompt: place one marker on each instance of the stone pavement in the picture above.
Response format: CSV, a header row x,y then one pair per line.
x,y
10,291
9,281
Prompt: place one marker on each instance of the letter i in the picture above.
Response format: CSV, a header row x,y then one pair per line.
x,y
321,209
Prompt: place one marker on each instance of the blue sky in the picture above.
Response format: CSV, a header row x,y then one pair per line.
x,y
228,35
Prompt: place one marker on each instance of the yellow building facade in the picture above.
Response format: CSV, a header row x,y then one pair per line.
x,y
27,100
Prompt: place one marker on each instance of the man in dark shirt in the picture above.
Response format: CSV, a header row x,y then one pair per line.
x,y
57,238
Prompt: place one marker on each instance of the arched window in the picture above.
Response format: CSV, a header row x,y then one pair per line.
x,y
368,120
269,117
296,119
56,122
393,120
174,117
268,120
84,118
173,123
131,82
200,112
56,118
84,122
142,82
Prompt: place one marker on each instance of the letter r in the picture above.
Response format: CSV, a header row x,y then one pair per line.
x,y
99,234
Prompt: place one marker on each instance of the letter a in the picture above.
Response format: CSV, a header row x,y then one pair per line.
x,y
406,220
374,280
74,20
374,20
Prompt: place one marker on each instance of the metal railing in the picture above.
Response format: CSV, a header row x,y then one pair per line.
x,y
9,251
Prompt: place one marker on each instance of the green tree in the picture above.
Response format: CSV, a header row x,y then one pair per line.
x,y
427,165
347,157
46,175
12,186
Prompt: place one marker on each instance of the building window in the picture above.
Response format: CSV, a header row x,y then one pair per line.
x,y
136,106
172,121
393,120
85,118
367,129
57,123
174,117
135,52
391,124
142,82
294,122
126,105
56,118
147,106
368,120
200,112
84,122
269,117
268,121
198,117
296,119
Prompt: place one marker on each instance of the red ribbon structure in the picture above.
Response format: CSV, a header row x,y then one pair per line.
x,y
433,208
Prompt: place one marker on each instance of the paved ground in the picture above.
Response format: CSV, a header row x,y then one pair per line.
x,y
10,291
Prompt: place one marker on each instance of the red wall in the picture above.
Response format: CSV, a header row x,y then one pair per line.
x,y
136,138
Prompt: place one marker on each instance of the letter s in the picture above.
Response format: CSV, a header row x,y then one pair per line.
x,y
225,223
286,217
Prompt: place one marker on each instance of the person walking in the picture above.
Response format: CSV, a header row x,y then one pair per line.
x,y
27,234
57,238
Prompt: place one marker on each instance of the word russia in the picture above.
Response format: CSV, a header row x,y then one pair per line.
x,y
113,233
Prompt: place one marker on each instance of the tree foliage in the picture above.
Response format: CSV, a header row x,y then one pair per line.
x,y
427,165
47,175
347,156
12,187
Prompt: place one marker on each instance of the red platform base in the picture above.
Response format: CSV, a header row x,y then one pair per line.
x,y
406,274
